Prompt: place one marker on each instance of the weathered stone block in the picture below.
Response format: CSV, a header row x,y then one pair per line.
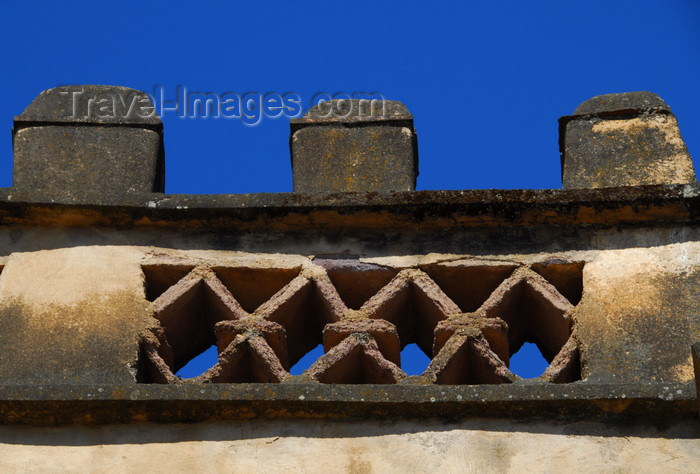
x,y
90,144
640,314
345,145
72,316
628,139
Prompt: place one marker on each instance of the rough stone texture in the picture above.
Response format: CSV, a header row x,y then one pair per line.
x,y
71,316
383,332
308,399
357,359
69,149
486,445
338,150
626,139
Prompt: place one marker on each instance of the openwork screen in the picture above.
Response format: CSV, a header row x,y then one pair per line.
x,y
468,316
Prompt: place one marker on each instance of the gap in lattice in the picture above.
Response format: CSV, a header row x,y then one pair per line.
x,y
528,362
199,364
413,360
307,360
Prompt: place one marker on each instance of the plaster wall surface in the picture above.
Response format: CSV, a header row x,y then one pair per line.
x,y
487,445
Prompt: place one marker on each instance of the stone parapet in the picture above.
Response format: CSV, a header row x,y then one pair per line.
x,y
108,290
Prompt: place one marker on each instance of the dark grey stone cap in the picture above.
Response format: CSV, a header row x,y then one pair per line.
x,y
91,104
89,144
353,111
354,145
626,101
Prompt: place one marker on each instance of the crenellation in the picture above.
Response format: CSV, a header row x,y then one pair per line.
x,y
358,145
88,144
629,139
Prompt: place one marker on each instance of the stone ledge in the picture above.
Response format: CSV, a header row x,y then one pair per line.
x,y
430,209
61,404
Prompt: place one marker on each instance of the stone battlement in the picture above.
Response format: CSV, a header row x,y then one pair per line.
x,y
109,285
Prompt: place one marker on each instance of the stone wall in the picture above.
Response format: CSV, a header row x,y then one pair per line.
x,y
108,286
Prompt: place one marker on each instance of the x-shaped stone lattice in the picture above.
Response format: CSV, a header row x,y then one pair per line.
x,y
495,307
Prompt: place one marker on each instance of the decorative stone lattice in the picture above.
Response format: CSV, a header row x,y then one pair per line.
x,y
468,316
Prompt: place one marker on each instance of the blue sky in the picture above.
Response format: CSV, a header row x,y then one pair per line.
x,y
486,81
